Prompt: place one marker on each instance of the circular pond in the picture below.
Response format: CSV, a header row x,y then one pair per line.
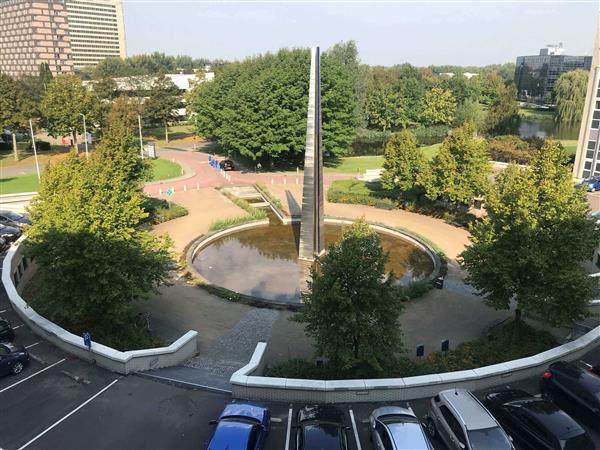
x,y
263,261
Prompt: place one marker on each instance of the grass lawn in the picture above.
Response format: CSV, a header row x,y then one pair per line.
x,y
23,183
178,134
26,158
354,164
570,145
163,169
535,114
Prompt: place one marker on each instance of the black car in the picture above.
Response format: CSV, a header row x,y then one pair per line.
x,y
13,359
7,334
13,219
321,427
574,389
226,164
9,234
536,423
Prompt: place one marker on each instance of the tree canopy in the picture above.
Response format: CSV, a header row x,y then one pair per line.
x,y
403,162
257,108
351,309
439,107
570,90
94,259
531,245
503,116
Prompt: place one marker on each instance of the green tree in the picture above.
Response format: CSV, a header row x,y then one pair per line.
x,y
125,111
351,309
384,109
65,101
161,106
470,111
530,246
570,90
459,172
439,107
93,255
17,107
503,116
403,162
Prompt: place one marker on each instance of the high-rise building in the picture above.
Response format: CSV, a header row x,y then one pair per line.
x,y
587,158
96,29
33,33
535,75
66,34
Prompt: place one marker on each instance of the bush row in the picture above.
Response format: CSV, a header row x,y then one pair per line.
x,y
160,210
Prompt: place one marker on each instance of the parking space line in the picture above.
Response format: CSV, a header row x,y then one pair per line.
x,y
3,311
355,429
33,375
58,422
33,345
289,430
18,326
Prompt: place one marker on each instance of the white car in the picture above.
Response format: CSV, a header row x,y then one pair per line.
x,y
396,428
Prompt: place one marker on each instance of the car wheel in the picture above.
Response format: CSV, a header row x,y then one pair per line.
x,y
430,428
17,368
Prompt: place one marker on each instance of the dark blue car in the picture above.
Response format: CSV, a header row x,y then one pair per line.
x,y
241,426
13,359
591,184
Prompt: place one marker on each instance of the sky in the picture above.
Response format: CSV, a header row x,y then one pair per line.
x,y
387,32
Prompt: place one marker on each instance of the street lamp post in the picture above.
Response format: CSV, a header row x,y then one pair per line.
x,y
85,136
37,166
141,141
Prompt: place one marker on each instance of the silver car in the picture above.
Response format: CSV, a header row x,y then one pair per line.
x,y
395,428
462,423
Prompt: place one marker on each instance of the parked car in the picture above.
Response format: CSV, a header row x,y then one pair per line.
x,y
9,234
241,426
395,428
227,164
462,423
591,184
321,427
13,219
574,389
536,423
7,334
13,359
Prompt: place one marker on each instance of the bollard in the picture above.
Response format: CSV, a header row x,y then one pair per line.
x,y
296,180
185,188
159,191
284,180
182,171
197,186
272,181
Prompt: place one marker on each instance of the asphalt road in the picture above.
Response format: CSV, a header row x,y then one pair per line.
x,y
60,402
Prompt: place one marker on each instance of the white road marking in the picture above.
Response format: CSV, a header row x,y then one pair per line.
x,y
289,430
355,430
18,326
3,311
58,422
32,345
33,375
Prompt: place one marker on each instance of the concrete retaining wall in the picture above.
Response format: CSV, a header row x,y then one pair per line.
x,y
17,270
247,382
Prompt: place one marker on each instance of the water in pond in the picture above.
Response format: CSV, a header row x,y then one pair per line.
x,y
262,262
546,128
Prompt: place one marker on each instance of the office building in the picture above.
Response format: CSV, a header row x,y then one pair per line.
x,y
67,34
96,30
32,33
587,158
535,75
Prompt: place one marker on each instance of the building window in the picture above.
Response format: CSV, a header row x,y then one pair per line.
x,y
588,165
595,124
589,154
586,174
591,145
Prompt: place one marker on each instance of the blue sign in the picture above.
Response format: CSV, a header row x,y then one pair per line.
x,y
87,340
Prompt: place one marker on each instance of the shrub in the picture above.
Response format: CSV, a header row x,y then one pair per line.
x,y
510,149
159,210
360,193
370,142
414,289
40,146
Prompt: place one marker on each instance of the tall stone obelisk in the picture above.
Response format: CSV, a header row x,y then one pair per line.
x,y
311,227
587,158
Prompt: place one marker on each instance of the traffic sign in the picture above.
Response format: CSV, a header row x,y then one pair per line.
x,y
170,192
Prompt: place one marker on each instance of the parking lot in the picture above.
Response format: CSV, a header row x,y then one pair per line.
x,y
60,402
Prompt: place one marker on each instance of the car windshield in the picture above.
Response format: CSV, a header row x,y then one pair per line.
x,y
580,442
408,434
489,439
321,436
12,215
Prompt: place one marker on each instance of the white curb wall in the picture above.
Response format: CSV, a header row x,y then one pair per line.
x,y
17,270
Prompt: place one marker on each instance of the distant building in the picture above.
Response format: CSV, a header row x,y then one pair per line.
x,y
535,75
33,33
97,31
67,34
